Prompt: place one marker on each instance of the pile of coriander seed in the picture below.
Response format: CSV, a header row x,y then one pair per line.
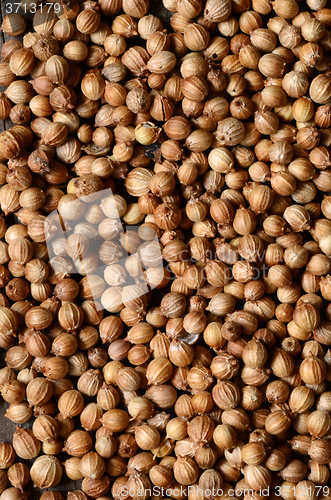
x,y
190,161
